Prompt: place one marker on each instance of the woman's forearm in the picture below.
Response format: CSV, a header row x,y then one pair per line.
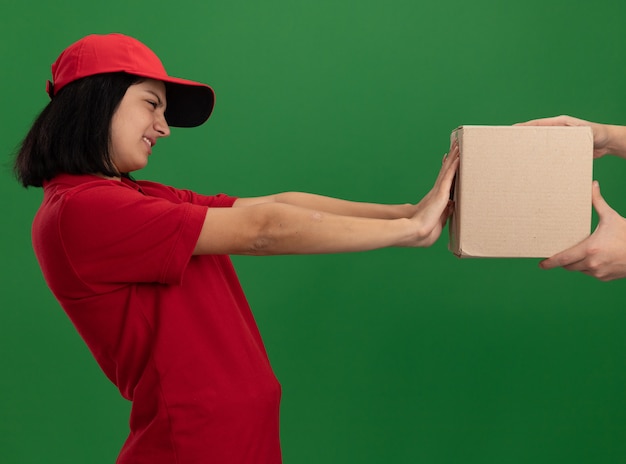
x,y
345,207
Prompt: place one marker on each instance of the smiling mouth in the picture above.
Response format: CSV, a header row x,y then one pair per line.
x,y
148,142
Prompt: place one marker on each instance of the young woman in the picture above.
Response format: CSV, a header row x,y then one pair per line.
x,y
142,269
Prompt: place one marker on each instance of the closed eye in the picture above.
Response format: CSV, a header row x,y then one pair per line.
x,y
153,104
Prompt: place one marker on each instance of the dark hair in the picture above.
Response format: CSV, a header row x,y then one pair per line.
x,y
72,134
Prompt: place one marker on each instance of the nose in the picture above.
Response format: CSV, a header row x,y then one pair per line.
x,y
161,126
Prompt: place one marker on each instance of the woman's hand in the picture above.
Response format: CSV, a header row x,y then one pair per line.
x,y
601,132
603,254
432,212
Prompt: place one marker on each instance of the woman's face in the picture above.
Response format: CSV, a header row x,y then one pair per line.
x,y
137,124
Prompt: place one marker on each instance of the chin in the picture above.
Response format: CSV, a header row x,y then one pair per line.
x,y
136,167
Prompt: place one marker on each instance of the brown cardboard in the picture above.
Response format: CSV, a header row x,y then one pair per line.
x,y
521,191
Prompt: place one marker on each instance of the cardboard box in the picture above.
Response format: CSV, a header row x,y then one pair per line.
x,y
521,191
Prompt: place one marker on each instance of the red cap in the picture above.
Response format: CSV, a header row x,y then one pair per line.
x,y
189,103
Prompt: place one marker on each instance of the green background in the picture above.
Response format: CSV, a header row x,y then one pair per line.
x,y
395,355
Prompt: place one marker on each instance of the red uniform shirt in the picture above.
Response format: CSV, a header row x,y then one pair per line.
x,y
173,331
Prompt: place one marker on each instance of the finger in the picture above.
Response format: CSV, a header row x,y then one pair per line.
x,y
565,258
552,121
580,266
454,148
443,185
589,273
447,170
437,209
440,193
539,122
599,204
449,160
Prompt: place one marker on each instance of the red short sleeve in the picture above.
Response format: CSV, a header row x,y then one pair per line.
x,y
118,235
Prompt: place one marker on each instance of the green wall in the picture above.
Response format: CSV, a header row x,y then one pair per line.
x,y
396,355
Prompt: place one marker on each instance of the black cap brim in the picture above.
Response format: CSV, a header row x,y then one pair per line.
x,y
188,105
